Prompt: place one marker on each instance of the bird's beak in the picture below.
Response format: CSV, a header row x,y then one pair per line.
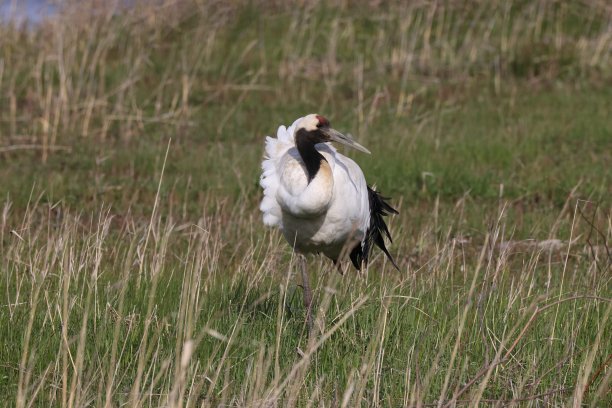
x,y
347,140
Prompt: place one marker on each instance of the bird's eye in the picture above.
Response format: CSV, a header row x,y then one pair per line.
x,y
319,125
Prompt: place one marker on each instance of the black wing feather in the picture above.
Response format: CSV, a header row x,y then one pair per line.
x,y
379,208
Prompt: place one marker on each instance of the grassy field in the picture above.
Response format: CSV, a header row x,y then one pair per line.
x,y
135,269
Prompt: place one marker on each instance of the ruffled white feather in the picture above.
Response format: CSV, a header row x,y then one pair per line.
x,y
270,181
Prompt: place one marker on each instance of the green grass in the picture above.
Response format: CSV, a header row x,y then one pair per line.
x,y
132,278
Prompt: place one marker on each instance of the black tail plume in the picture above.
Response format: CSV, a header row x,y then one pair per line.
x,y
379,208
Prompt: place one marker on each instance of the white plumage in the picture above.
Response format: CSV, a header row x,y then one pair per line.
x,y
324,214
318,197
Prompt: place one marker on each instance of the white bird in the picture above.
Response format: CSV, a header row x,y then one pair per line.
x,y
319,198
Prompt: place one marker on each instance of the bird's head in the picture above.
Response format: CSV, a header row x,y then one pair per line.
x,y
316,129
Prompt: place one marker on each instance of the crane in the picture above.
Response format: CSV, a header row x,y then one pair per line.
x,y
319,198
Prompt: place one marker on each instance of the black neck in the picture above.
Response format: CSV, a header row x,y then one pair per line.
x,y
305,142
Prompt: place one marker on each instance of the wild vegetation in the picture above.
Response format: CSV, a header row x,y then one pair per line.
x,y
134,265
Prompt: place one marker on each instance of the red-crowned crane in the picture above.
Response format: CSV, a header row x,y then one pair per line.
x,y
319,198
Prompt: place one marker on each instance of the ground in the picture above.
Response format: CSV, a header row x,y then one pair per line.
x,y
136,269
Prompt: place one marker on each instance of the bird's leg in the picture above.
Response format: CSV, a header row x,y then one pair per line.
x,y
307,293
348,246
338,266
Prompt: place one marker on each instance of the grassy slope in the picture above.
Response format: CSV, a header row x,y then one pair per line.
x,y
451,125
